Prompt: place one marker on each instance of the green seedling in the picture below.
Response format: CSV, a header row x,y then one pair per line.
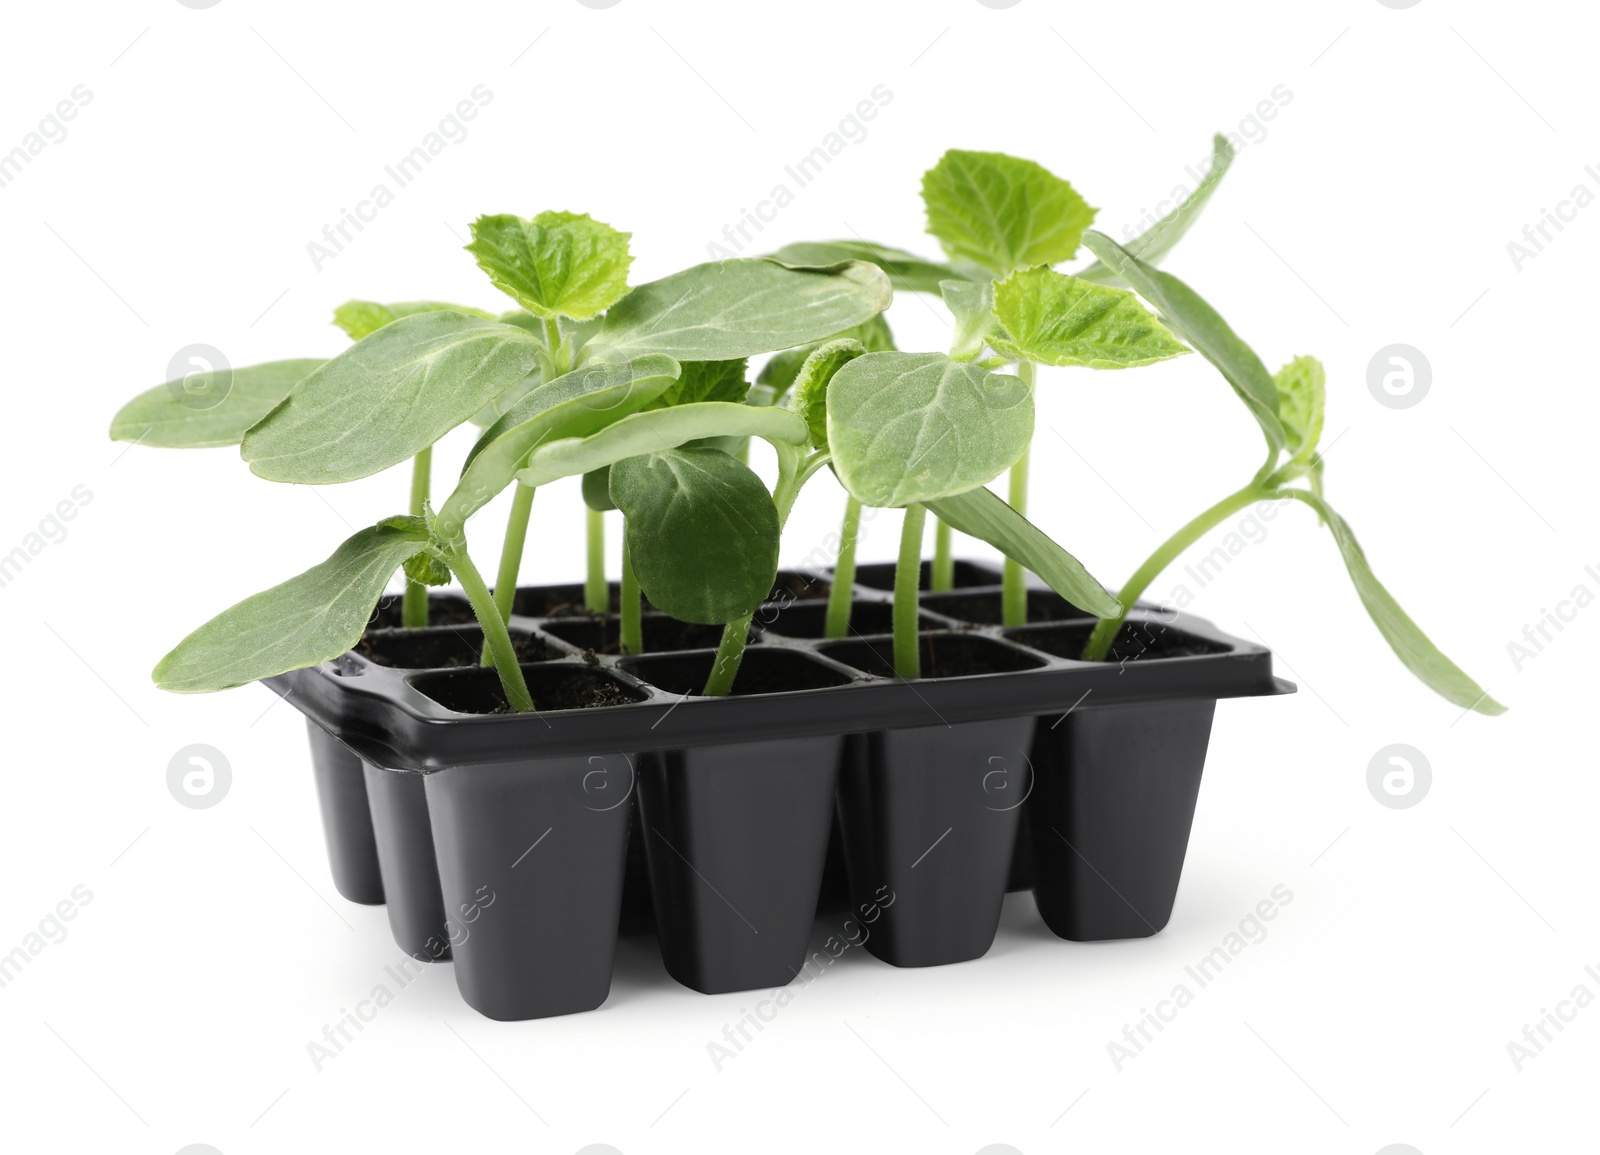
x,y
1004,222
1288,407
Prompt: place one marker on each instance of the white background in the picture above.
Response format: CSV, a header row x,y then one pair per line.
x,y
1376,208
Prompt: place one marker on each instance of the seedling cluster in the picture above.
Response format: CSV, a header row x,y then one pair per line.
x,y
644,392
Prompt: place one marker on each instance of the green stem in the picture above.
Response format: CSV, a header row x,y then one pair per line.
x,y
501,650
907,580
943,578
596,594
414,603
505,581
842,591
1014,588
730,651
1099,643
632,606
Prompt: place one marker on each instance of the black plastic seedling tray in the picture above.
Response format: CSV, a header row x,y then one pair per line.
x,y
500,839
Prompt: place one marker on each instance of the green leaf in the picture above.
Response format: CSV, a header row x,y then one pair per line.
x,y
597,489
1157,241
363,318
557,264
779,372
1002,212
981,514
972,304
575,404
1416,652
706,381
425,569
1302,393
810,395
702,532
905,270
1189,316
912,427
308,619
738,308
388,397
658,430
204,410
1055,319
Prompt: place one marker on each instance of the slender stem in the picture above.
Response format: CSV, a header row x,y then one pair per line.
x,y
632,606
505,581
501,650
414,603
1099,643
907,581
730,651
943,578
842,591
1014,590
596,594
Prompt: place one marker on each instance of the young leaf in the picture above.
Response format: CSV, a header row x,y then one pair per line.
x,y
706,381
972,304
702,532
575,404
1002,212
389,396
779,372
905,270
912,427
658,430
1302,390
557,264
308,619
1191,317
810,395
1418,654
1157,241
728,309
205,410
981,514
1055,319
363,318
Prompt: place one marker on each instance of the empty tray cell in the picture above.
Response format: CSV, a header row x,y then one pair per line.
x,y
661,632
944,655
554,687
880,575
1134,641
443,610
444,646
983,609
769,671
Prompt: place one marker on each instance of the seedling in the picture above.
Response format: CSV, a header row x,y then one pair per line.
x,y
1289,407
1003,222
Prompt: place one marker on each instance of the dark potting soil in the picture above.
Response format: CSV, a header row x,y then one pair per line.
x,y
1136,640
945,654
448,647
555,687
443,610
762,671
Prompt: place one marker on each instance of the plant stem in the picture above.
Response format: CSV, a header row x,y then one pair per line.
x,y
730,651
907,581
632,606
414,603
943,577
1099,643
505,581
843,589
494,630
1014,589
596,593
